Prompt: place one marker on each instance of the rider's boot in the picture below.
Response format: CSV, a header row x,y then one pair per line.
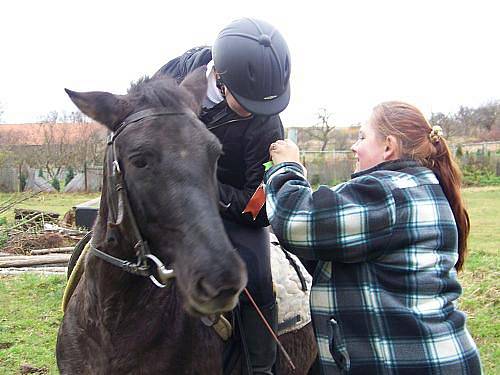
x,y
261,345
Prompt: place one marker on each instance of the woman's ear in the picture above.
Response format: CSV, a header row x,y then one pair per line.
x,y
391,149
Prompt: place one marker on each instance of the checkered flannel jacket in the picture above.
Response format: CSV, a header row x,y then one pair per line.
x,y
385,289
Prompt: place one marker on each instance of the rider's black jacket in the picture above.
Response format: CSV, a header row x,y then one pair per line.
x,y
245,142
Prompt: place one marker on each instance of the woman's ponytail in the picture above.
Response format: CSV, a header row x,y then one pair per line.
x,y
450,179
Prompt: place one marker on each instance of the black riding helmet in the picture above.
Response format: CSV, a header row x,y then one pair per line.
x,y
253,62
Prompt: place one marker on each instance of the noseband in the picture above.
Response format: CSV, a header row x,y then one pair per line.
x,y
143,265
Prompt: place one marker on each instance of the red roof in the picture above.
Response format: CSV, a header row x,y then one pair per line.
x,y
38,134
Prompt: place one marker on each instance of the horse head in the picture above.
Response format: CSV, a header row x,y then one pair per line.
x,y
166,162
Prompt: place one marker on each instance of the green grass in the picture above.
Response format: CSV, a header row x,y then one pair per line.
x,y
53,202
30,305
30,311
481,298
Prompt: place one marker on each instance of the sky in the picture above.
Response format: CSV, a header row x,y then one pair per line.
x,y
347,56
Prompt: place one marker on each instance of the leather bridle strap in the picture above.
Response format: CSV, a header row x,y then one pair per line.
x,y
142,267
123,264
137,116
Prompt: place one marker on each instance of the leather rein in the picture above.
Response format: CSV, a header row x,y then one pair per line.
x,y
145,259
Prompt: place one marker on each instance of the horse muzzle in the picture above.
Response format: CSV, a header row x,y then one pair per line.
x,y
206,299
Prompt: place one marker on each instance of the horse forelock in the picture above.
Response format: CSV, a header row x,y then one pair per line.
x,y
158,91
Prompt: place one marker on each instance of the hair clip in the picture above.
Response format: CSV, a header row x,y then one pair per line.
x,y
436,134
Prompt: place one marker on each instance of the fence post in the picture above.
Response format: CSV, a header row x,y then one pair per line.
x,y
335,166
19,171
85,176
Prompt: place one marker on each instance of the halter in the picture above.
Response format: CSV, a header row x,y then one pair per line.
x,y
142,266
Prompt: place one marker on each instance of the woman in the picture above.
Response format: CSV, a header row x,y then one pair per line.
x,y
389,244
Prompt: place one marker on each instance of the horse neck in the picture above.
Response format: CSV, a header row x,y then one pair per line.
x,y
117,298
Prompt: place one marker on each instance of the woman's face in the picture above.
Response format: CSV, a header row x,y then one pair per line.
x,y
369,148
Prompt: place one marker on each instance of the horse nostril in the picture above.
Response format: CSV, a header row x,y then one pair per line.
x,y
204,290
228,292
207,291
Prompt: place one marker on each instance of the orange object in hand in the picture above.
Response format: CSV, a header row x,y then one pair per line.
x,y
256,202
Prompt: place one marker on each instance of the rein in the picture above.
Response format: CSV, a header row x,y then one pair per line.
x,y
143,266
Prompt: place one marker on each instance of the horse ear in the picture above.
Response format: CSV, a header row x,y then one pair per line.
x,y
106,108
196,83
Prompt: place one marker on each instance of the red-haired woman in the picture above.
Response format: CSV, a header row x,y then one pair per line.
x,y
389,243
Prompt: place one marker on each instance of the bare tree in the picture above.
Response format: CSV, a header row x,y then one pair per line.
x,y
54,151
323,129
75,143
74,117
1,112
487,115
50,118
88,145
478,122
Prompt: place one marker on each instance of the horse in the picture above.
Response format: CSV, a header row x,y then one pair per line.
x,y
159,257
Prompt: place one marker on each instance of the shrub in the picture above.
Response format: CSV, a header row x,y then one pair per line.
x,y
474,176
56,184
22,181
69,175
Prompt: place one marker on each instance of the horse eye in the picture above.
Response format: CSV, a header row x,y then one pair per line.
x,y
139,162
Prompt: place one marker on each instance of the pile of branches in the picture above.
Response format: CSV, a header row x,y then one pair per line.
x,y
34,229
24,243
33,221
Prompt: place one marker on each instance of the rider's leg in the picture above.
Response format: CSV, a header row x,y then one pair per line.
x,y
253,246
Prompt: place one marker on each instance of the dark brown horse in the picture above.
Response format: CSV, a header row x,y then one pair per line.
x,y
159,185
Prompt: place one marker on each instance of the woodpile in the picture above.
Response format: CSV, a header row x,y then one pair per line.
x,y
49,263
33,220
35,241
36,244
34,260
63,250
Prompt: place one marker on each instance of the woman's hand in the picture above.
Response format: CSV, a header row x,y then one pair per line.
x,y
282,151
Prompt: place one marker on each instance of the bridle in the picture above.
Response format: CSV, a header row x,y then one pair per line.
x,y
142,266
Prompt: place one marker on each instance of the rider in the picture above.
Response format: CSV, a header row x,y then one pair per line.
x,y
248,71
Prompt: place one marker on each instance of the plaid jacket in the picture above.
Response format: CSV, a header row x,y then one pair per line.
x,y
384,293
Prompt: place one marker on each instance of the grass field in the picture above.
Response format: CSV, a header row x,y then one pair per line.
x,y
480,280
30,305
56,202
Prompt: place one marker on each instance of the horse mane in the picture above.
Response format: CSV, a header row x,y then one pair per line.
x,y
136,85
157,91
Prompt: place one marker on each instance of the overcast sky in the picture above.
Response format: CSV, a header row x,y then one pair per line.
x,y
347,56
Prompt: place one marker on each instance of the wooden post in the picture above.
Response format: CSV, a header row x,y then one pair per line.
x,y
85,176
19,171
33,260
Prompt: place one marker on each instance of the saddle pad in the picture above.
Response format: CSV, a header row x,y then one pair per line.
x,y
74,278
293,302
